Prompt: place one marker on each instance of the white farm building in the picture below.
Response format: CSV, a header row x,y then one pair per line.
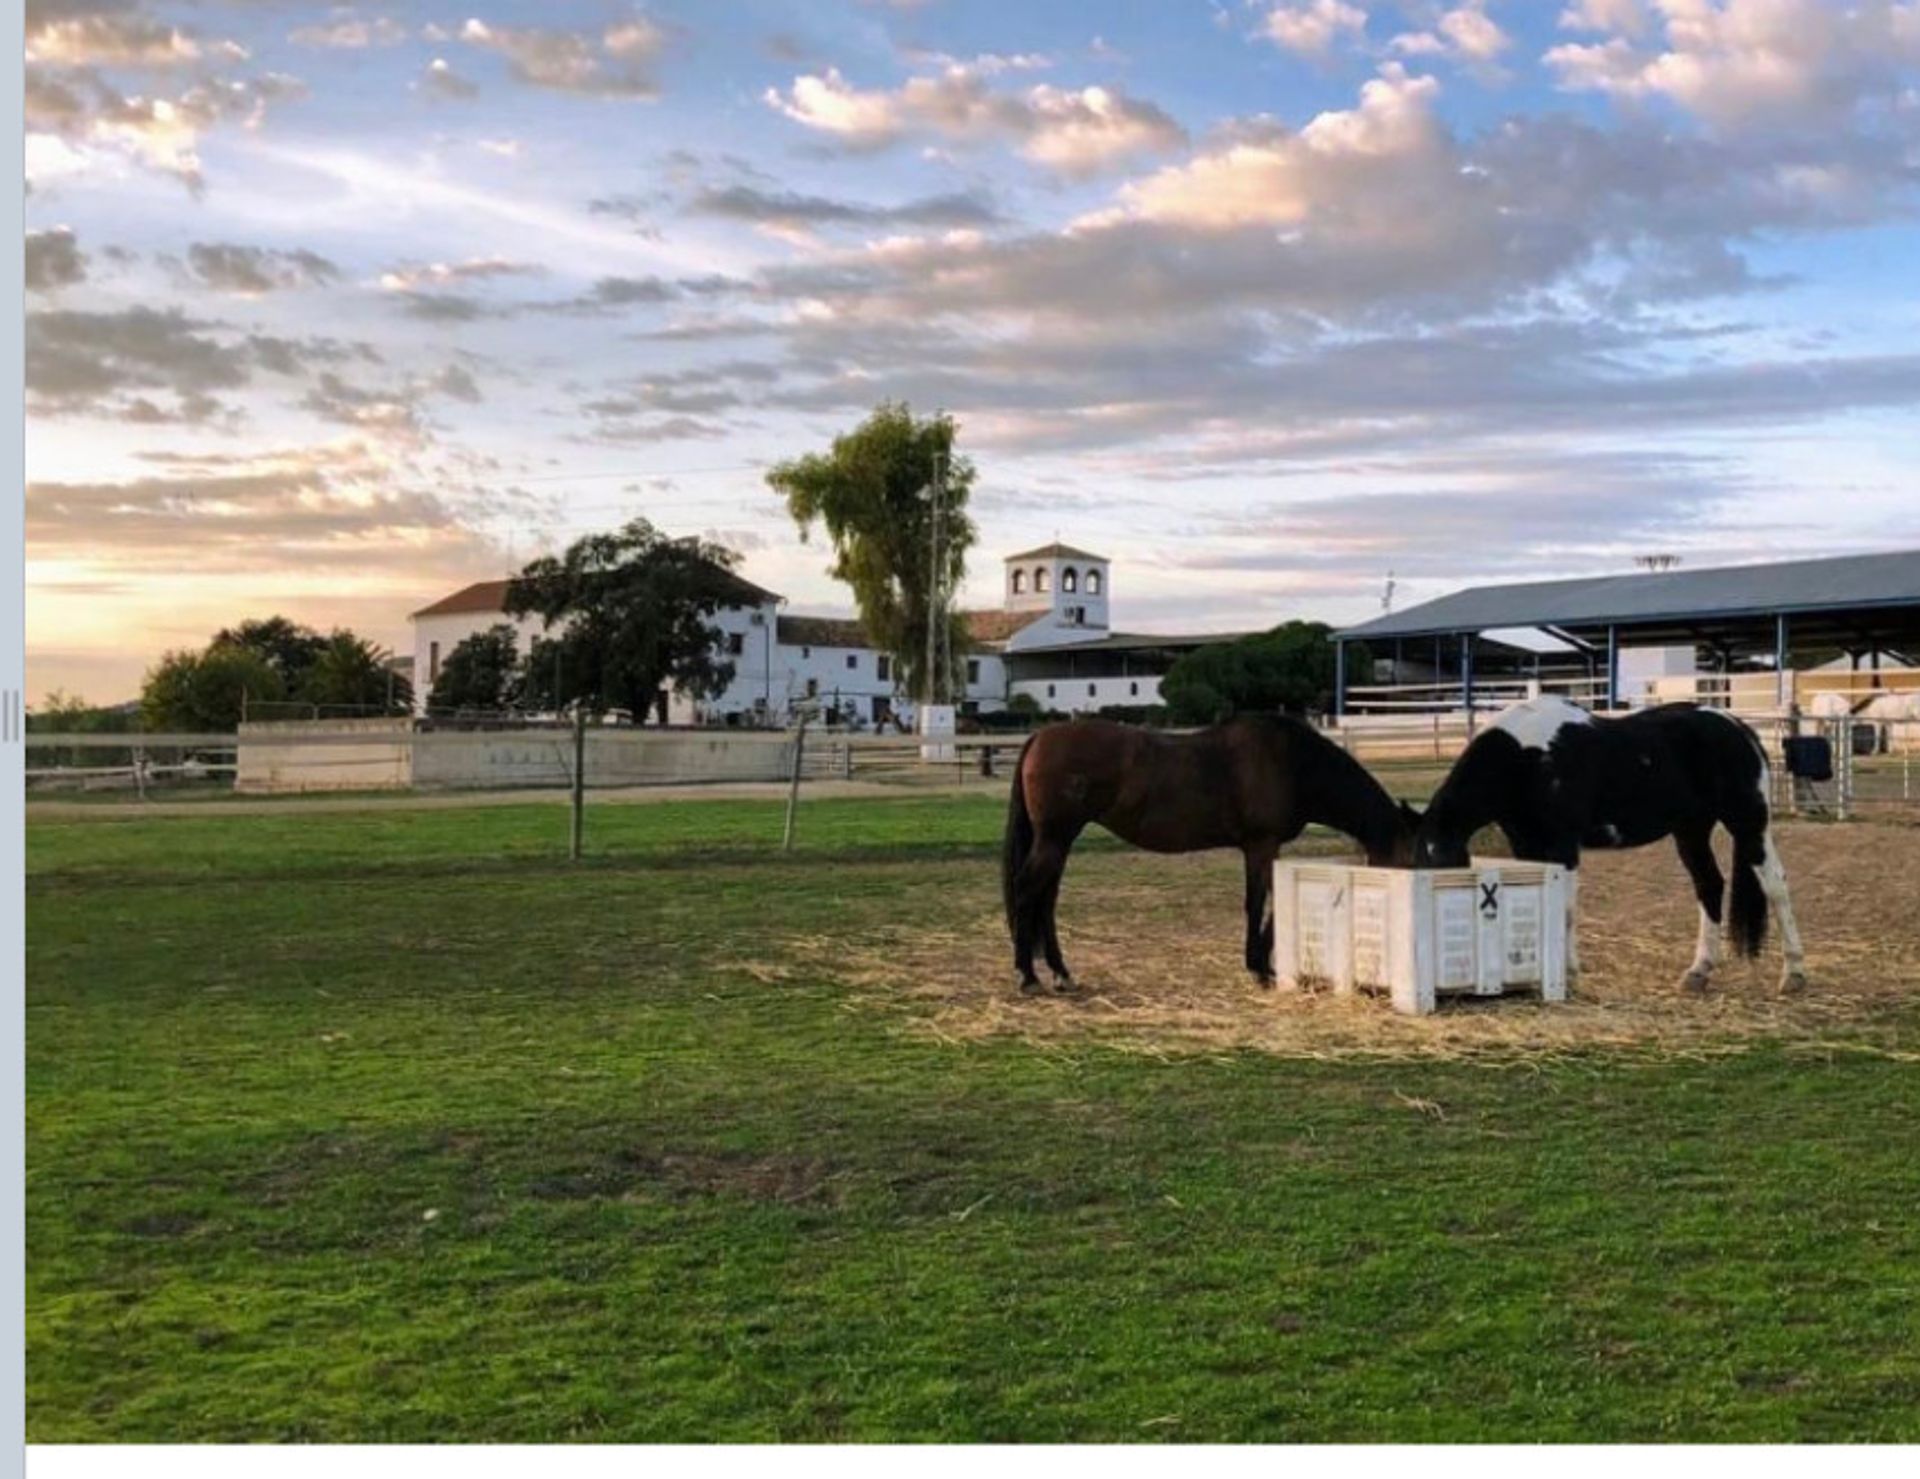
x,y
1049,638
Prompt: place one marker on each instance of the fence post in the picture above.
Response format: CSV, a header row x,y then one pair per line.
x,y
793,789
1846,767
579,781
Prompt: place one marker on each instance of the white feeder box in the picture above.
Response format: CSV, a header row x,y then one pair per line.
x,y
1417,935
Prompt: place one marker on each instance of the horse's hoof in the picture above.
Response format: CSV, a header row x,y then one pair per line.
x,y
1030,986
1699,983
1062,984
1793,983
1264,980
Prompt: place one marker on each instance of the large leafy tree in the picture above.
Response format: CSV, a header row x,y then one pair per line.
x,y
870,491
287,647
207,691
631,615
1287,670
482,672
350,673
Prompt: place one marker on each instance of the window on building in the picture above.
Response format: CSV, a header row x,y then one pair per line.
x,y
1092,692
1133,690
973,670
813,688
1040,581
433,661
853,659
1093,582
736,643
1019,582
883,665
1049,690
1069,580
806,652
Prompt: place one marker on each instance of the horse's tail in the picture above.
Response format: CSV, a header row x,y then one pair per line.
x,y
1746,899
1019,838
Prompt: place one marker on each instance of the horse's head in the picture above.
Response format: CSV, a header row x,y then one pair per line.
x,y
1397,851
1438,842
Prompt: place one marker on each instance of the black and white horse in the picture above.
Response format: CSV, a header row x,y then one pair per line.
x,y
1556,778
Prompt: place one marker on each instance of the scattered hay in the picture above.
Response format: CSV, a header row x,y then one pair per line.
x,y
1155,946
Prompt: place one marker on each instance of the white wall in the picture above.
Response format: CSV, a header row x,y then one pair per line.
x,y
1083,695
768,678
449,632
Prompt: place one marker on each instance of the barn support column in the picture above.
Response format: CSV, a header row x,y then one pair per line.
x,y
1339,677
1782,678
1466,675
1613,668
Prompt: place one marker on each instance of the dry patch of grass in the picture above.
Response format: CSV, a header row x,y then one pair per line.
x,y
1155,944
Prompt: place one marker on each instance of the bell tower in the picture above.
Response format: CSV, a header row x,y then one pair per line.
x,y
1071,583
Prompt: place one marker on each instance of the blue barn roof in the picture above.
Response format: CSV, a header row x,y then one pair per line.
x,y
1665,599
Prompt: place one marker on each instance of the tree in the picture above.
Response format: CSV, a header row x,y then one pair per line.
x,y
348,672
63,713
207,691
871,493
284,645
482,672
1287,670
634,611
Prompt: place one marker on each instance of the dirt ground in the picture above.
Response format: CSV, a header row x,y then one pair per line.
x,y
1155,946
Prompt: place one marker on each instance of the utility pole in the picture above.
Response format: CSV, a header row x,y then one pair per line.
x,y
936,607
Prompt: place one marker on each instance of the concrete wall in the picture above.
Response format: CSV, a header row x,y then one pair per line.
x,y
383,763
501,760
396,755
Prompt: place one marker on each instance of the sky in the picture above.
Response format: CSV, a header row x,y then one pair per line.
x,y
331,309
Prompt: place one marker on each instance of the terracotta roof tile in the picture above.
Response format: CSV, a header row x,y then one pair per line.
x,y
491,595
820,631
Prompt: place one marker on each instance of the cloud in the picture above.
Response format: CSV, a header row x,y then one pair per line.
x,y
1466,33
1629,17
439,79
408,276
617,63
160,133
108,362
1073,131
396,411
53,260
789,210
1740,62
117,40
329,507
1312,29
444,308
1267,175
75,359
350,33
250,271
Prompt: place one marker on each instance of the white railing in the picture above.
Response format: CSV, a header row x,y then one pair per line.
x,y
1488,694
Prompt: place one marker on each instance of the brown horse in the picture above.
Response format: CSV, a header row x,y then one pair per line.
x,y
1253,783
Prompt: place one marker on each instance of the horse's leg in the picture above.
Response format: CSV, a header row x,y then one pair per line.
x,y
1573,918
1037,880
1259,955
1056,962
1022,918
1050,937
1709,887
1773,879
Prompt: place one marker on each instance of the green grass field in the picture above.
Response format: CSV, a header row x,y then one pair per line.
x,y
397,1127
